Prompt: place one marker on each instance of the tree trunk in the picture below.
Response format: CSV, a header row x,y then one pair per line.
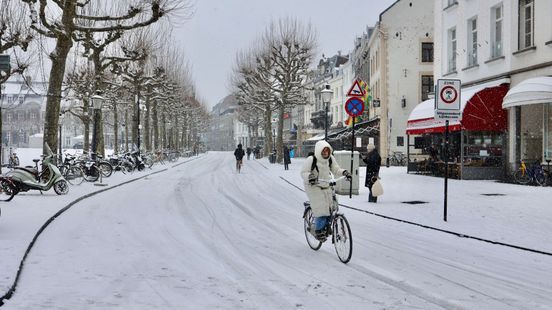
x,y
126,130
280,138
268,130
58,57
147,136
136,118
115,129
155,126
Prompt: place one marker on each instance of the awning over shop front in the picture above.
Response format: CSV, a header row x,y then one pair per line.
x,y
531,91
481,110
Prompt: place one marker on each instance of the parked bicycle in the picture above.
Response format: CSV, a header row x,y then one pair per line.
x,y
397,159
533,174
337,227
70,170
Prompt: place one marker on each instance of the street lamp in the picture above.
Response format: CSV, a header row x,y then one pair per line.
x,y
96,104
326,95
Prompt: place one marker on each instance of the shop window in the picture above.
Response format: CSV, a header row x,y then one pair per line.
x,y
400,141
483,149
548,131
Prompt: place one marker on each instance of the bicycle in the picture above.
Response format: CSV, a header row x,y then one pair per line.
x,y
337,226
533,174
397,159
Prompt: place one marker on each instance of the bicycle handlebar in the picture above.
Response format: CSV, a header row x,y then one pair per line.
x,y
331,182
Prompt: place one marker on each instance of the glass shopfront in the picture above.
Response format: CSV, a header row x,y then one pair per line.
x,y
547,131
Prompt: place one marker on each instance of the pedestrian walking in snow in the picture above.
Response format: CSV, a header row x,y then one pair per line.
x,y
248,152
373,163
287,159
239,154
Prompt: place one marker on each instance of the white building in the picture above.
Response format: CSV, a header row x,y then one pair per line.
x,y
491,42
401,69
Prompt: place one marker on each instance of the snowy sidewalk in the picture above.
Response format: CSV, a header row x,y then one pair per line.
x,y
506,213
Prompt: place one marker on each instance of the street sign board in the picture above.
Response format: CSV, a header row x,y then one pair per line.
x,y
4,62
354,106
447,100
356,90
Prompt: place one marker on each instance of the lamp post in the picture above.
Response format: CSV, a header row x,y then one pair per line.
x,y
97,102
326,95
61,116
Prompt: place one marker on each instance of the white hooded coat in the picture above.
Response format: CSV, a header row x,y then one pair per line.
x,y
320,195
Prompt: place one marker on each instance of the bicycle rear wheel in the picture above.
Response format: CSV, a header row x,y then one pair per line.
x,y
106,169
313,243
343,240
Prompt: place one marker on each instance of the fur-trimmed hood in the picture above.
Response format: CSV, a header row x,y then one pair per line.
x,y
318,147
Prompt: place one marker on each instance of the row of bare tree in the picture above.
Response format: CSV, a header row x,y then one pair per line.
x,y
116,49
270,77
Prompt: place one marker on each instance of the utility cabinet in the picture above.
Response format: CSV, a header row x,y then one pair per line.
x,y
344,160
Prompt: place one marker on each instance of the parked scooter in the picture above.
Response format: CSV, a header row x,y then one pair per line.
x,y
25,178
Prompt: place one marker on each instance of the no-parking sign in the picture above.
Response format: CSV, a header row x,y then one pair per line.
x,y
447,100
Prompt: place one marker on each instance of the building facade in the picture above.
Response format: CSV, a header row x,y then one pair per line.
x,y
508,41
400,55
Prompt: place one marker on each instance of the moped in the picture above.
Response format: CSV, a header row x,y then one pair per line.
x,y
25,178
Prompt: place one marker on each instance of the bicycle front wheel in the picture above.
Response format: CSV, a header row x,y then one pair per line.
x,y
313,243
521,177
73,175
7,190
343,240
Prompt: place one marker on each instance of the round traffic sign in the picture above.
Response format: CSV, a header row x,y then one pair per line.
x,y
448,94
354,106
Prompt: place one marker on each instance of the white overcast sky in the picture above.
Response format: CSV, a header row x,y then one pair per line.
x,y
220,28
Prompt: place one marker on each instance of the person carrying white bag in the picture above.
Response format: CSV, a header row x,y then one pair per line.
x,y
373,163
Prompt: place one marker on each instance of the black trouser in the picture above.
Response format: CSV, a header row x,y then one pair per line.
x,y
286,167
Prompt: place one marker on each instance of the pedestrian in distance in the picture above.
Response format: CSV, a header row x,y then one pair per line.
x,y
248,152
317,167
287,159
239,154
373,163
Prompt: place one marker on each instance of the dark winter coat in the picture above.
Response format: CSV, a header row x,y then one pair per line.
x,y
373,163
287,159
239,153
248,151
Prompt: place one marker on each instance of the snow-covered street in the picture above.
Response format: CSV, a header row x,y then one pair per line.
x,y
200,236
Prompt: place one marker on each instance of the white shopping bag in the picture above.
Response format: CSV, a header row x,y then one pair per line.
x,y
377,189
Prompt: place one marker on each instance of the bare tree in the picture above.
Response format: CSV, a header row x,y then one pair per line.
x,y
291,49
71,20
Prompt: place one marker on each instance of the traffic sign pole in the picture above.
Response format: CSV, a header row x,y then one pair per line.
x,y
446,167
352,159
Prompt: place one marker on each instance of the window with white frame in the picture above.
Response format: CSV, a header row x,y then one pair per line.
x,y
452,49
472,42
526,23
497,14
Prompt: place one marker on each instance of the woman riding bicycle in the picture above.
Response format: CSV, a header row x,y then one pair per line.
x,y
319,166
